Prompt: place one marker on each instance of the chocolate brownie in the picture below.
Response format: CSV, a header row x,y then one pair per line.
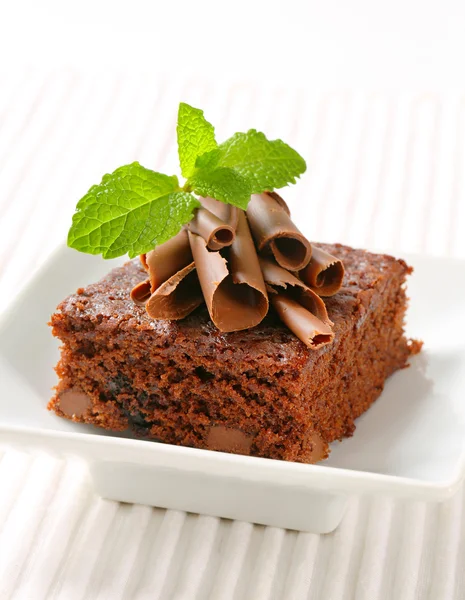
x,y
259,391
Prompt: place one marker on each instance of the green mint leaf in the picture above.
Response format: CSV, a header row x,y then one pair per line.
x,y
196,136
222,184
132,210
267,164
209,160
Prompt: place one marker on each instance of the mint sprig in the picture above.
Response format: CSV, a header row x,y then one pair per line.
x,y
132,210
222,184
266,164
135,209
196,136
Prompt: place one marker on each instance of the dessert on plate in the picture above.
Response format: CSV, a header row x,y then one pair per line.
x,y
231,331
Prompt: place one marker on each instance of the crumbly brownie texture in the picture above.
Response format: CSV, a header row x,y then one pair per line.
x,y
260,391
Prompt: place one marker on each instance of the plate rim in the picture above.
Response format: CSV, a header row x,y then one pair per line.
x,y
316,477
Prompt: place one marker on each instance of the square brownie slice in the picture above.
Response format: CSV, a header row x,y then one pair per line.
x,y
259,391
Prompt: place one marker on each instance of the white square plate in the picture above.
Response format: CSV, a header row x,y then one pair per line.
x,y
410,443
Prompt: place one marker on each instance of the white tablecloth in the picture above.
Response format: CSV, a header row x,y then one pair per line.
x,y
384,171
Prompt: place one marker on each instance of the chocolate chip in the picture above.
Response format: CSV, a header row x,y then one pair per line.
x,y
74,403
227,439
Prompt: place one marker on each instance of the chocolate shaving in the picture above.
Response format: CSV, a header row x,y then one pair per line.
x,y
226,212
172,290
216,222
214,259
177,297
299,307
234,290
274,231
166,260
289,285
324,273
308,328
141,292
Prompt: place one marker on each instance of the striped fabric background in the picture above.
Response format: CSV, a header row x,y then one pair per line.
x,y
384,172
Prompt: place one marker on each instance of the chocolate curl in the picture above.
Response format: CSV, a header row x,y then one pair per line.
x,y
216,225
234,290
172,290
226,212
324,273
277,277
177,297
273,230
308,328
166,260
300,308
141,292
162,262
